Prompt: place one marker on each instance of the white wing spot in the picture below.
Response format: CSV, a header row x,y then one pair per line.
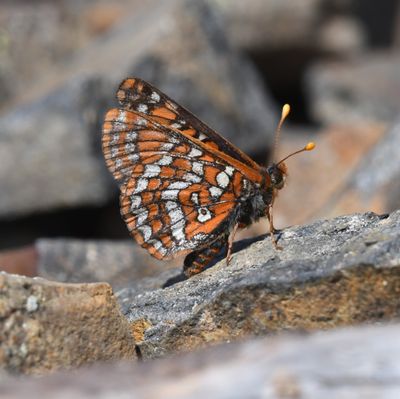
x,y
142,217
136,200
202,136
114,152
129,147
122,116
178,231
173,140
191,177
178,223
195,153
176,125
118,163
158,246
203,215
222,179
165,160
199,237
131,136
115,138
151,171
146,232
229,170
171,205
169,194
141,122
166,146
133,157
197,167
142,108
195,198
155,97
215,192
141,185
179,185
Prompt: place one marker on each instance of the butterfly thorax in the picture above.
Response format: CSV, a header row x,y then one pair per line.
x,y
257,198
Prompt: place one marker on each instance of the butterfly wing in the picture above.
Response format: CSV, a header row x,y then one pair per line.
x,y
137,95
177,193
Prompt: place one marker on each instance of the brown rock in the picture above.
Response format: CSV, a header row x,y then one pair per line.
x,y
316,178
47,326
374,183
350,363
19,261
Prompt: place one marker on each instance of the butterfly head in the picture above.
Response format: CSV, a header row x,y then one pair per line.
x,y
278,171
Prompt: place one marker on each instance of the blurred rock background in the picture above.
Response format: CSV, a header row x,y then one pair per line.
x,y
233,64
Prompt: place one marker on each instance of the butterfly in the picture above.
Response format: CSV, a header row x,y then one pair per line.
x,y
184,189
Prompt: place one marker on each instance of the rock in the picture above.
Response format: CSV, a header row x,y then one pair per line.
x,y
262,26
55,131
20,261
56,143
120,263
342,35
331,273
343,92
350,363
54,31
319,177
374,183
47,326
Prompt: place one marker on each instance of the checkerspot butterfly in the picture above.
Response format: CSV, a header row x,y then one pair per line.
x,y
183,187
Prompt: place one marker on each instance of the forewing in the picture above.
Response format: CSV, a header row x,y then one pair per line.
x,y
137,95
176,194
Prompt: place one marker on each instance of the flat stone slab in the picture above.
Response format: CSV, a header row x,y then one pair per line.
x,y
351,363
331,273
45,326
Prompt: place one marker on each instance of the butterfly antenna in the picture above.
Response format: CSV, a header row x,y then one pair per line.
x,y
285,113
310,146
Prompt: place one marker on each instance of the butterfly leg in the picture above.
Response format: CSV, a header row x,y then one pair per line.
x,y
271,227
197,261
230,243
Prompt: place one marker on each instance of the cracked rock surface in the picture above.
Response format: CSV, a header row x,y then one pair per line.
x,y
330,273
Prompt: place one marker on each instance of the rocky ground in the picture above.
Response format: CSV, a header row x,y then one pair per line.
x,y
76,291
338,272
302,366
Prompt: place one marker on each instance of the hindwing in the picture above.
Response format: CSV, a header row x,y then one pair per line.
x,y
178,193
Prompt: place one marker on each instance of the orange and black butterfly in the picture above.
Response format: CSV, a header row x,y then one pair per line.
x,y
184,188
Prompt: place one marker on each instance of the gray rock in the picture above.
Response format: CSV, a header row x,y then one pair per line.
x,y
330,273
50,153
45,326
260,25
356,90
120,263
350,363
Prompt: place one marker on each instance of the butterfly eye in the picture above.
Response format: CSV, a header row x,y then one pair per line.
x,y
277,177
